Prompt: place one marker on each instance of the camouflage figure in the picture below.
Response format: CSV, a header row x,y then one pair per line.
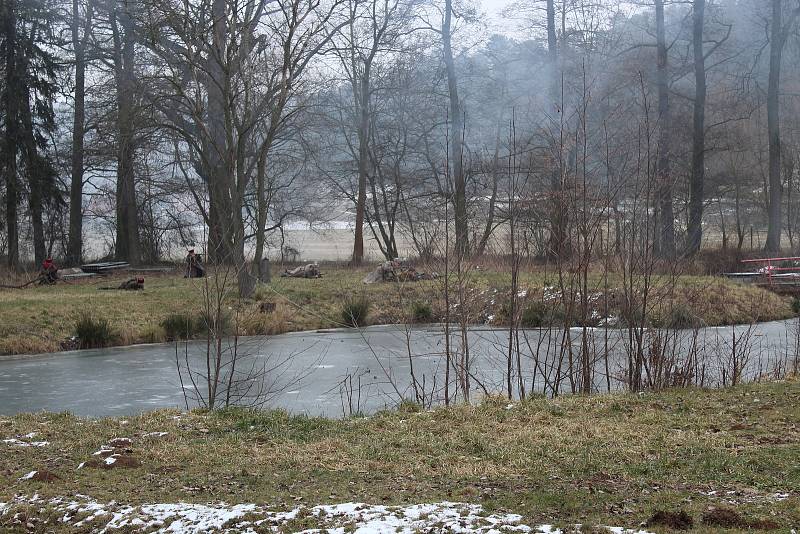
x,y
310,270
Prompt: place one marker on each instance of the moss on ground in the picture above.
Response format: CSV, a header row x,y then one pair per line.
x,y
40,319
610,459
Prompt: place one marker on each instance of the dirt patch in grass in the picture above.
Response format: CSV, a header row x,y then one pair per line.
x,y
729,518
113,461
680,520
42,475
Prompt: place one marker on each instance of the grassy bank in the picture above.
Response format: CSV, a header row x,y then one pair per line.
x,y
603,460
40,319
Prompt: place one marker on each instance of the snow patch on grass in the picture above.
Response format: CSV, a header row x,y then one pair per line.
x,y
29,475
19,443
736,498
360,518
155,434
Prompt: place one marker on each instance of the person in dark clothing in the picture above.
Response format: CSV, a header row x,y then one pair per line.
x,y
194,265
49,273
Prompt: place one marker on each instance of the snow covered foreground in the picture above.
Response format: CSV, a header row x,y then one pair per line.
x,y
185,518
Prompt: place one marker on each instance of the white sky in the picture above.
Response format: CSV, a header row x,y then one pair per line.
x,y
496,22
493,7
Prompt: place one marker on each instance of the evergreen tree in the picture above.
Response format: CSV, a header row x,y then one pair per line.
x,y
27,90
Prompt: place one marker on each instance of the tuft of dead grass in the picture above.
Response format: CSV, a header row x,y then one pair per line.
x,y
253,320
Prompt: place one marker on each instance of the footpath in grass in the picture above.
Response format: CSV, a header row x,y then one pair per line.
x,y
42,319
721,460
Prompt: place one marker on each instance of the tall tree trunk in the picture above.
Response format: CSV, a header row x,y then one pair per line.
x,y
363,160
75,241
552,51
10,143
35,203
263,193
558,244
262,203
489,227
127,248
665,207
697,180
35,170
456,138
222,246
777,40
226,178
740,231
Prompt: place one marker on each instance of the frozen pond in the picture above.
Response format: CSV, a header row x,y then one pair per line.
x,y
339,371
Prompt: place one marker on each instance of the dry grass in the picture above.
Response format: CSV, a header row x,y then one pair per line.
x,y
612,459
255,321
40,319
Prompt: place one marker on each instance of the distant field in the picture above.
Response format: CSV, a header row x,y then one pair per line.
x,y
40,319
619,459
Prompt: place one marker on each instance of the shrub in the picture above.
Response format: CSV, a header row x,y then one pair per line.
x,y
680,317
634,317
538,314
181,326
421,312
796,306
93,333
152,333
255,322
716,261
494,400
205,322
355,311
409,406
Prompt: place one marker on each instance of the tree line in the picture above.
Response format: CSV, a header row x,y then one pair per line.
x,y
129,126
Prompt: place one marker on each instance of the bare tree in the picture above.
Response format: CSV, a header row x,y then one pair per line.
x,y
374,28
666,237
456,148
81,23
212,57
697,179
778,32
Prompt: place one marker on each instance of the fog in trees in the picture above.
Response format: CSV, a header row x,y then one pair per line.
x,y
134,129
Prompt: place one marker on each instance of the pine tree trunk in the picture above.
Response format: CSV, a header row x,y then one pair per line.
x,y
34,170
10,144
75,241
35,205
